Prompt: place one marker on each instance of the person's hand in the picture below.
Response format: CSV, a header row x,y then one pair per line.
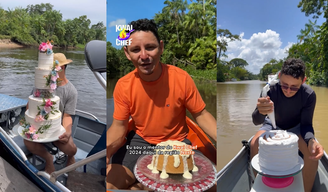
x,y
316,150
265,105
64,137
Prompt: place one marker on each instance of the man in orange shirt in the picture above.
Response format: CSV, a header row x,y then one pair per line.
x,y
156,97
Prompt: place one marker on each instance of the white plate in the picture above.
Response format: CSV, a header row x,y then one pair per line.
x,y
263,171
53,138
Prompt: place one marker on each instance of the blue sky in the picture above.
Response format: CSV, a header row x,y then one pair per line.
x,y
122,12
268,28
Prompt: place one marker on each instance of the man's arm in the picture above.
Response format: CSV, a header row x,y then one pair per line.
x,y
307,131
67,123
264,106
115,137
207,122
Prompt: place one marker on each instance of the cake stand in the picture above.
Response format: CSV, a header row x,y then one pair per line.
x,y
54,136
201,180
277,179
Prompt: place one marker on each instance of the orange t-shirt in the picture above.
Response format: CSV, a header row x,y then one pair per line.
x,y
158,108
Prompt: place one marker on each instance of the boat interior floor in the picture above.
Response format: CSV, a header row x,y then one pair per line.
x,y
12,180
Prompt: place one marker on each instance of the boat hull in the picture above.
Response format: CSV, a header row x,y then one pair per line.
x,y
25,167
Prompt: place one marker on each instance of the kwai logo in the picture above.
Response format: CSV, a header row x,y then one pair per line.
x,y
123,37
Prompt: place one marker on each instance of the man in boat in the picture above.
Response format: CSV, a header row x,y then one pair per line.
x,y
68,99
293,103
156,96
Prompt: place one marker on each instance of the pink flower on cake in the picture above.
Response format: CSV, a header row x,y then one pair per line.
x,y
46,47
27,135
37,93
53,78
49,46
35,137
39,118
32,129
58,68
43,47
48,103
47,109
53,86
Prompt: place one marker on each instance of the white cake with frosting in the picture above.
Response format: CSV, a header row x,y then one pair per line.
x,y
278,150
178,158
43,117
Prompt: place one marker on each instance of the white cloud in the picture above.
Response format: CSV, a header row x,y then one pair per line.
x,y
117,22
258,50
94,10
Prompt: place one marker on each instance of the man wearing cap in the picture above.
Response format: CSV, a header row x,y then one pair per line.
x,y
68,99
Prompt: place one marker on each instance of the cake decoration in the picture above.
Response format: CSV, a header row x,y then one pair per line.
x,y
53,80
46,47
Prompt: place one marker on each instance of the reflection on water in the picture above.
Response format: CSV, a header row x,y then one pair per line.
x,y
236,102
17,78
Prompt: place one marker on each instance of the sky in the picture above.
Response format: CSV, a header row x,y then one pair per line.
x,y
132,10
267,29
95,10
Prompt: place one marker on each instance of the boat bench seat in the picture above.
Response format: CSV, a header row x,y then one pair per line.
x,y
86,135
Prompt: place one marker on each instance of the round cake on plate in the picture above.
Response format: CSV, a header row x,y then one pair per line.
x,y
278,150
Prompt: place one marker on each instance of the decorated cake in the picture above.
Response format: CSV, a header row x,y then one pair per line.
x,y
43,117
278,150
173,157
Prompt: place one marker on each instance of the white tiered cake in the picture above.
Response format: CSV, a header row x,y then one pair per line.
x,y
278,150
43,118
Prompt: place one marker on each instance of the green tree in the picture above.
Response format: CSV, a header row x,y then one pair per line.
x,y
237,62
39,23
113,61
225,36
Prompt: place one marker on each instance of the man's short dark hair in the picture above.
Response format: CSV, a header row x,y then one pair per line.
x,y
294,67
145,25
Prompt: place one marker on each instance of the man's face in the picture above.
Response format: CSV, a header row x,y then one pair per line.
x,y
144,52
290,85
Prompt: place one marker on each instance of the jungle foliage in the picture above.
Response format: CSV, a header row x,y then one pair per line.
x,y
39,23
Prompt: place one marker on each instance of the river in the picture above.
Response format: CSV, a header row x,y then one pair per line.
x,y
17,78
236,102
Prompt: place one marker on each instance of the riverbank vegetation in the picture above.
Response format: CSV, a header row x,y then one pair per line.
x,y
189,35
39,23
